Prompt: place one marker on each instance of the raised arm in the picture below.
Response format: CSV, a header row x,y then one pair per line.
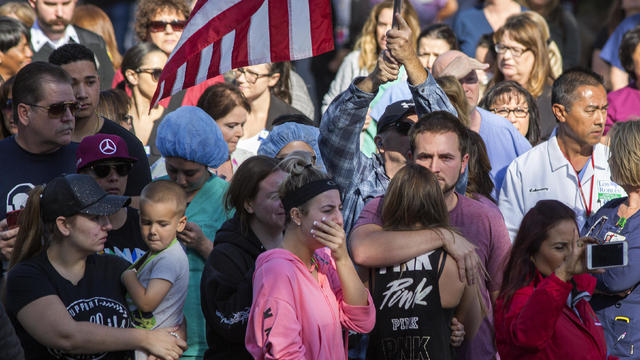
x,y
342,123
427,95
49,322
372,246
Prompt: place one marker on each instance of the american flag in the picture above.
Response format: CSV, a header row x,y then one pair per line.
x,y
221,35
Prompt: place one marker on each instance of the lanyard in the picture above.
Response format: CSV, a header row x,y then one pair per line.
x,y
587,205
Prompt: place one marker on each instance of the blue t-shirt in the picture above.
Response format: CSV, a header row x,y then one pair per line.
x,y
469,26
609,51
504,143
22,171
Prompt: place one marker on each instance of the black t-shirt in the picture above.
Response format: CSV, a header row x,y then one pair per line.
x,y
410,320
22,171
127,241
140,175
98,297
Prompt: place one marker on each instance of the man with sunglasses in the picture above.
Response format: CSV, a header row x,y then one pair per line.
x,y
43,109
79,62
53,29
503,141
106,159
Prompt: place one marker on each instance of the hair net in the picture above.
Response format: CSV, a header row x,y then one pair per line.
x,y
191,134
283,134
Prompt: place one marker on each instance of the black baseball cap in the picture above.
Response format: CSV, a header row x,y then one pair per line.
x,y
73,194
394,113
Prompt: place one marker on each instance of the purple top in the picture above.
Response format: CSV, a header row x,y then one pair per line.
x,y
624,105
484,226
427,9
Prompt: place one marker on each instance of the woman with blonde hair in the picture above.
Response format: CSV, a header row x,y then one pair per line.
x,y
373,39
523,57
93,18
617,220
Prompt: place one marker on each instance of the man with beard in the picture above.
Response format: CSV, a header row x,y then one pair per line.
x,y
572,166
79,62
438,141
53,29
43,109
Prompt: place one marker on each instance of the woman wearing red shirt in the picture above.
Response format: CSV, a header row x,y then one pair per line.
x,y
542,311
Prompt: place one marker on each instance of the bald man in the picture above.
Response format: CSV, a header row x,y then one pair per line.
x,y
503,141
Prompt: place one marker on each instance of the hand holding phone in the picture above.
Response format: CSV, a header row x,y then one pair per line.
x,y
608,255
397,9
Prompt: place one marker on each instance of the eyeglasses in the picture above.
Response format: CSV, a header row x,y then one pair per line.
x,y
155,73
515,52
59,109
505,111
249,75
103,170
160,26
401,127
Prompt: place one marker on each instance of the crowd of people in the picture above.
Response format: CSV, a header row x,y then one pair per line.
x,y
435,200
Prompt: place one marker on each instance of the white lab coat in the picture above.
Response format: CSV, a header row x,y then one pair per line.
x,y
544,173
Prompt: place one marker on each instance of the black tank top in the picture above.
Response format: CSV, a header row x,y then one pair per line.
x,y
410,321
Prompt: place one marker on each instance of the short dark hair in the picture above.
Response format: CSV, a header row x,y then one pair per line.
x,y
27,88
11,31
507,88
628,45
440,122
70,53
565,86
220,99
441,31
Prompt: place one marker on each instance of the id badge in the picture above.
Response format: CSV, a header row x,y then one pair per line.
x,y
613,237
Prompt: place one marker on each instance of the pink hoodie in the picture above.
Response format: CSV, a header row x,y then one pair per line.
x,y
295,316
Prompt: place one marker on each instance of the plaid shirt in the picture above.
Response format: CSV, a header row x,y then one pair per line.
x,y
362,178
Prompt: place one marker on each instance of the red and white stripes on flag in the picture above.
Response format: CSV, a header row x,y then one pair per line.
x,y
226,34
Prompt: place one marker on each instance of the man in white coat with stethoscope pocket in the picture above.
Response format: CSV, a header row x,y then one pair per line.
x,y
572,166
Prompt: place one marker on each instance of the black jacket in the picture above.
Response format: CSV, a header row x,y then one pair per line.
x,y
94,42
226,290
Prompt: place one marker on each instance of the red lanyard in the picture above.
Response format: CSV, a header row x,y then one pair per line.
x,y
587,205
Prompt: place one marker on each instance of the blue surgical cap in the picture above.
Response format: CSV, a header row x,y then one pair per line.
x,y
191,134
282,135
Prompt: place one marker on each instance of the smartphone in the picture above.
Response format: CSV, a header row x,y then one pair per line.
x,y
397,9
12,218
611,254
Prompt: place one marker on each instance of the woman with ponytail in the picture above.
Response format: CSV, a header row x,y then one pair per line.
x,y
64,300
306,293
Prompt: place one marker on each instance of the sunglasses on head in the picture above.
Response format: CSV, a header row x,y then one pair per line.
x,y
58,109
103,170
160,26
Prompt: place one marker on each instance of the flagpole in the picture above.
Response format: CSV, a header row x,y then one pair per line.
x,y
397,9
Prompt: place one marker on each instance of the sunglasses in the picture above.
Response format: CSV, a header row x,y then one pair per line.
x,y
59,109
103,170
155,73
401,127
160,26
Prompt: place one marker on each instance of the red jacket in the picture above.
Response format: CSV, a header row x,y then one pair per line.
x,y
539,325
